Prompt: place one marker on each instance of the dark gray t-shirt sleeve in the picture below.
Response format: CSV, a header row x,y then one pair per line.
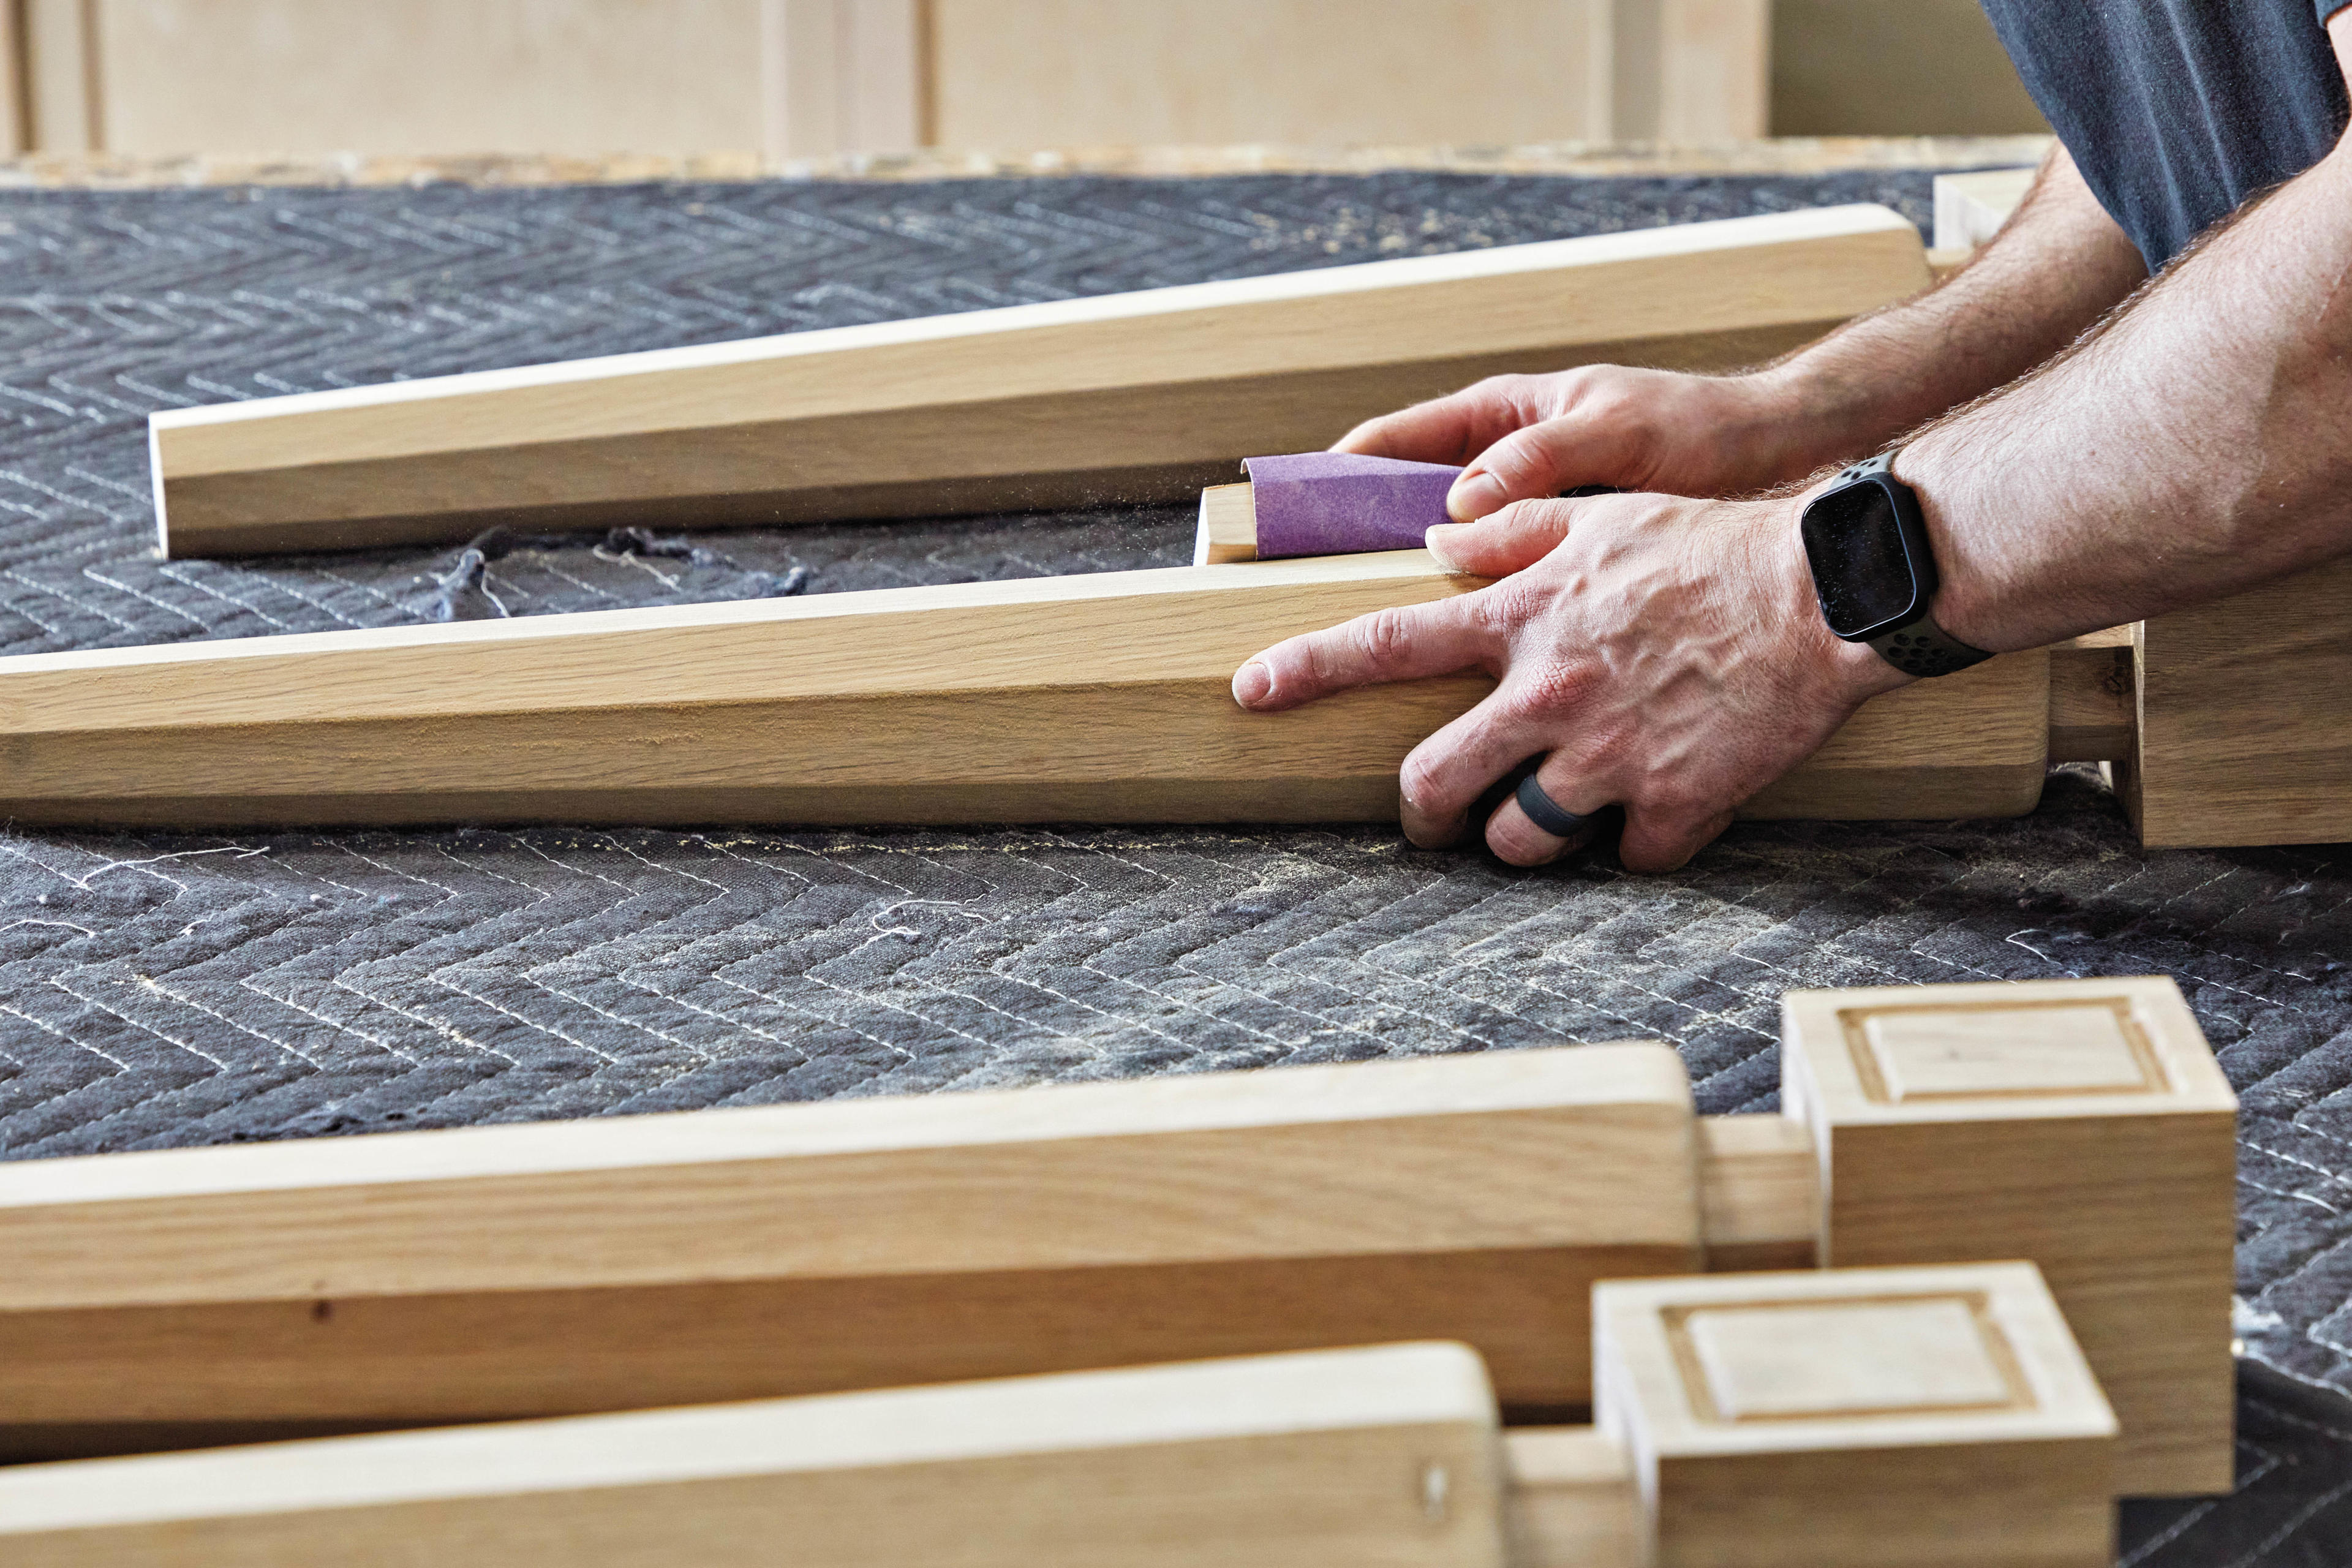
x,y
2178,111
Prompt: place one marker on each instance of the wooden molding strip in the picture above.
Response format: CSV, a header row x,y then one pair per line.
x,y
1142,396
1100,698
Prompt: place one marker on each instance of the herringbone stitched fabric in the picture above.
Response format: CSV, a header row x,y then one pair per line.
x,y
160,990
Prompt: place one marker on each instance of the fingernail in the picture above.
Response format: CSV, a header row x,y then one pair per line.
x,y
1434,542
1474,495
1252,684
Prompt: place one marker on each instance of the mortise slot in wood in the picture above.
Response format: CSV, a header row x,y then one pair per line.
x,y
1101,698
1129,398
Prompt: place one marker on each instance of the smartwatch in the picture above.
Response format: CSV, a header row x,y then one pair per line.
x,y
1873,572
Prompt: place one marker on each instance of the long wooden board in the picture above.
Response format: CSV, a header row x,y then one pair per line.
x,y
1937,1417
658,1259
1102,698
1387,1455
1127,397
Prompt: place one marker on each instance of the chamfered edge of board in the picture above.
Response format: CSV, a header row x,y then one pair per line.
x,y
1410,1385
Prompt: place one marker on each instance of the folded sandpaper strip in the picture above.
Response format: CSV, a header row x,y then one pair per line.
x,y
1339,504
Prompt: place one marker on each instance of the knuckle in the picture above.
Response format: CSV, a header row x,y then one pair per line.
x,y
1423,782
1383,637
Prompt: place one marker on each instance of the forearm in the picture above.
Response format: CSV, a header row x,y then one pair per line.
x,y
2199,445
2054,269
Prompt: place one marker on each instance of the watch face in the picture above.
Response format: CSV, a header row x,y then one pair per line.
x,y
1854,543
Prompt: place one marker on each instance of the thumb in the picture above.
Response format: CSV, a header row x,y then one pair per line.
x,y
1533,463
1503,543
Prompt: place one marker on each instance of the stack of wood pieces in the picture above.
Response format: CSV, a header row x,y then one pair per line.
x,y
1100,698
1969,1287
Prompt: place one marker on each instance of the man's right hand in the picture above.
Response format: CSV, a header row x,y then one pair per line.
x,y
1528,438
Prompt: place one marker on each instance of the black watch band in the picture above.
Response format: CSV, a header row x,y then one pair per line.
x,y
1924,650
1909,639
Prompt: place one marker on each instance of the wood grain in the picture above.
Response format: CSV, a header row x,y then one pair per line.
x,y
455,77
2093,716
14,127
1227,529
1385,1457
1124,398
1759,1197
1850,1418
2082,1124
1570,1500
953,704
712,1255
66,111
1972,744
2240,740
1071,73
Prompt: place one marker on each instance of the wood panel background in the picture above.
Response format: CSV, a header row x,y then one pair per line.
x,y
793,79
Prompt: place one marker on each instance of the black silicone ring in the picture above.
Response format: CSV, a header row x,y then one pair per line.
x,y
1544,812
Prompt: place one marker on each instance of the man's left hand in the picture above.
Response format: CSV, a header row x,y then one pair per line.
x,y
1659,654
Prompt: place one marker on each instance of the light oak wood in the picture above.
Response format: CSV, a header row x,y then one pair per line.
x,y
1102,698
1136,396
1227,529
552,1268
1759,1193
2093,716
1972,208
1776,1415
1972,744
229,1295
1571,1500
2242,731
2080,1123
1858,1417
1386,1457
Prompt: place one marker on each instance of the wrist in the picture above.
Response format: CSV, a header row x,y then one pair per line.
x,y
1854,673
1804,418
1965,603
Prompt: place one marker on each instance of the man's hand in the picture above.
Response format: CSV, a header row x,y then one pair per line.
x,y
1522,438
1660,654
2053,269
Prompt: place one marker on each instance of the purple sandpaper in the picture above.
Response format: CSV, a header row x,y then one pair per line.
x,y
1336,503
